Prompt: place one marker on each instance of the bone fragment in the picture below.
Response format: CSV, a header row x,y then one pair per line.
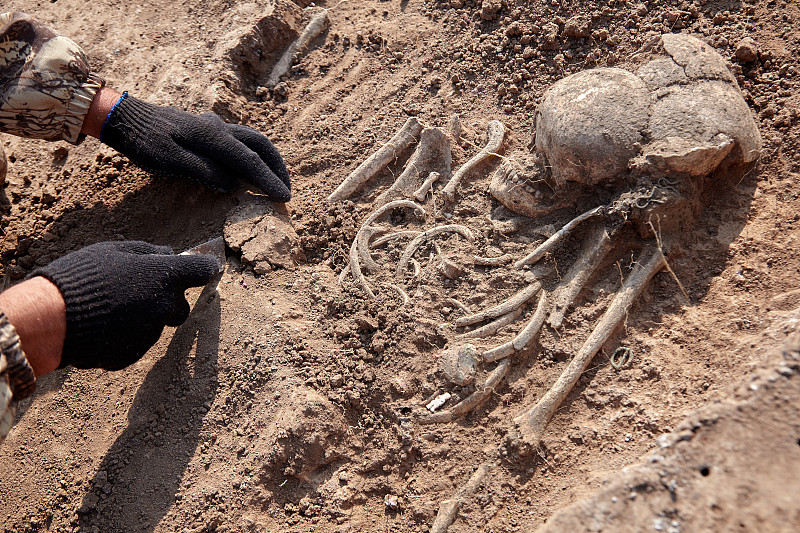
x,y
422,192
423,237
343,274
449,508
557,237
597,246
400,291
459,305
530,424
454,129
355,259
493,327
497,131
417,268
313,29
378,161
473,400
502,308
392,236
492,261
433,151
437,402
524,338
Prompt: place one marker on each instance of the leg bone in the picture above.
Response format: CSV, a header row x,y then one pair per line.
x,y
449,508
530,424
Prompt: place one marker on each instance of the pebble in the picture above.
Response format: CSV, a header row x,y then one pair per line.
x,y
747,50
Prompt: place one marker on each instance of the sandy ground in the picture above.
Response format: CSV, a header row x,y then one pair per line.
x,y
289,401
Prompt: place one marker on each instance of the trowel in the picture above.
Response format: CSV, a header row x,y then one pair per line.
x,y
215,247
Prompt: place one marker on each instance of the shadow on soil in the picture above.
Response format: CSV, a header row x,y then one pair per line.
x,y
138,479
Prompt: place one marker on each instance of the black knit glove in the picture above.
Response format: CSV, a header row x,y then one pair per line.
x,y
119,297
168,141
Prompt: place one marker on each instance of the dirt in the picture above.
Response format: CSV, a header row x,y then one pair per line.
x,y
287,401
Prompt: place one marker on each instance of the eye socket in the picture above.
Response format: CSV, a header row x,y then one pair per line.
x,y
705,471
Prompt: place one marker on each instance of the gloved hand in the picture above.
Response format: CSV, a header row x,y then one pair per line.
x,y
168,141
119,296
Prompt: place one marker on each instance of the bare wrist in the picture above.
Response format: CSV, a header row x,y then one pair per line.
x,y
37,311
102,104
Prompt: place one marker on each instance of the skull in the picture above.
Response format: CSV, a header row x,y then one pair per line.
x,y
679,117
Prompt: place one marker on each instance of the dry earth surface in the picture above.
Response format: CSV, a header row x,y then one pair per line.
x,y
286,402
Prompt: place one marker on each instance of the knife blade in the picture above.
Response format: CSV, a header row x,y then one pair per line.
x,y
215,247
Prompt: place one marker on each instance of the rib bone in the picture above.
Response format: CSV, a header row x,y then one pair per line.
x,y
550,243
502,308
597,246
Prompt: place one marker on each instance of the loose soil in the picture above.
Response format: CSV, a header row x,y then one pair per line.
x,y
286,401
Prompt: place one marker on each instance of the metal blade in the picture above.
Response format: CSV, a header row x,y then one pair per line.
x,y
215,247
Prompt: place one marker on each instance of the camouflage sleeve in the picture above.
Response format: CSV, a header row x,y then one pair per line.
x,y
46,86
17,380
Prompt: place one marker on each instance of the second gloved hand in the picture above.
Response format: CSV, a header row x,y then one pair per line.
x,y
168,141
119,296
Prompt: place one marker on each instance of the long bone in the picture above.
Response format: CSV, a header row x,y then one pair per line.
x,y
530,424
422,192
449,508
378,161
433,150
313,29
497,132
597,246
557,237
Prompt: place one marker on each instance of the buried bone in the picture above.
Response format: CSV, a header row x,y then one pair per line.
x,y
378,161
432,155
529,426
497,132
459,364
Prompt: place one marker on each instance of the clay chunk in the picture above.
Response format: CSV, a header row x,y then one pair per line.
x,y
265,238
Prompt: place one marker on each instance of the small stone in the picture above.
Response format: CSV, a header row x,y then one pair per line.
x,y
402,385
578,27
391,502
281,89
550,37
451,269
747,50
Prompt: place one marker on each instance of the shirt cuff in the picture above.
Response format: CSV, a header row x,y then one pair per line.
x,y
17,380
78,107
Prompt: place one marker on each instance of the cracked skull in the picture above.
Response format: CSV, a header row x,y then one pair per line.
x,y
655,133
